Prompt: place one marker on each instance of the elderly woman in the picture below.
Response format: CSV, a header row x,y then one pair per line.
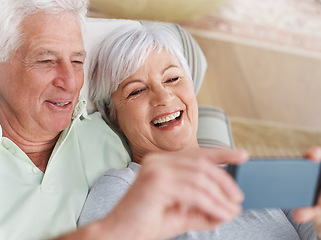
x,y
141,84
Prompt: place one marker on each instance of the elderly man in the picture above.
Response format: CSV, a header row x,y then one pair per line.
x,y
51,152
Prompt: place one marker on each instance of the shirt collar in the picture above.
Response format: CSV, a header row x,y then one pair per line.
x,y
80,110
79,113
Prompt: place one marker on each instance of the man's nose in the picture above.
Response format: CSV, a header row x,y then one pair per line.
x,y
66,77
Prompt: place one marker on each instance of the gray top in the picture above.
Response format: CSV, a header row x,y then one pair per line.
x,y
259,224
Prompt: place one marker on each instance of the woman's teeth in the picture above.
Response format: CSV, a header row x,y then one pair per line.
x,y
61,104
167,118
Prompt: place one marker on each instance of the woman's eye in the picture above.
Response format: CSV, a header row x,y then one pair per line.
x,y
172,80
136,92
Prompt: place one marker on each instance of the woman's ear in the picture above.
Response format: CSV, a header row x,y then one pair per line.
x,y
113,123
117,125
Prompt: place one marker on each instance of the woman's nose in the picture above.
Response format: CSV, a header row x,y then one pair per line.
x,y
162,96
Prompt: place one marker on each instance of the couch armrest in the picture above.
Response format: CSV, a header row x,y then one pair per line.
x,y
213,128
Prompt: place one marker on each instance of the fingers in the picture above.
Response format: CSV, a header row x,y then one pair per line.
x,y
224,194
201,183
303,215
199,166
224,156
212,192
184,191
314,153
229,187
214,156
313,214
306,214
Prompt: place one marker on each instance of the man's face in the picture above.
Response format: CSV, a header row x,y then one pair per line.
x,y
40,84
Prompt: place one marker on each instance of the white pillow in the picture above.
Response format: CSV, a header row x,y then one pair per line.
x,y
95,29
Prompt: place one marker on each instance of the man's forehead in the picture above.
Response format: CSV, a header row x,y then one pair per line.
x,y
49,34
44,23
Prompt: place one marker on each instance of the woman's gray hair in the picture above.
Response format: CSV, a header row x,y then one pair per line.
x,y
120,54
13,12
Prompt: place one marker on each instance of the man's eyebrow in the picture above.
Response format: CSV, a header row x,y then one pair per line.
x,y
80,54
44,52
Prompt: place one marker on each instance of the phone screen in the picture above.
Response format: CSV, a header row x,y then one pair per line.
x,y
277,183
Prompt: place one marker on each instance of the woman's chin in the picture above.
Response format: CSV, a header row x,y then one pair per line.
x,y
174,146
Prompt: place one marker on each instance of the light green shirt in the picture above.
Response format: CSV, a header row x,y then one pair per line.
x,y
34,205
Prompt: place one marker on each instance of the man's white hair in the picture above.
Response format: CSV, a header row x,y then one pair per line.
x,y
13,12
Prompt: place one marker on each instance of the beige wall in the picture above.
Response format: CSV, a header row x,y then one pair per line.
x,y
261,83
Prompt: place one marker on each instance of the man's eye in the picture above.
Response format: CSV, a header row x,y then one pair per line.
x,y
172,80
46,61
78,62
136,92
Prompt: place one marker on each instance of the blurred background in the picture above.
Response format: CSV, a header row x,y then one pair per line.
x,y
264,57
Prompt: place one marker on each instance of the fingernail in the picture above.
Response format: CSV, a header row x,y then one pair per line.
x,y
239,197
242,152
318,153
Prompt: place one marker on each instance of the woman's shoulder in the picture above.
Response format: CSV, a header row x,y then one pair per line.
x,y
126,175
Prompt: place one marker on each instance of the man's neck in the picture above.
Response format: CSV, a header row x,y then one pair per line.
x,y
39,151
34,141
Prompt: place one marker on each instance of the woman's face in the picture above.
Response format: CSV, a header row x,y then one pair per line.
x,y
156,107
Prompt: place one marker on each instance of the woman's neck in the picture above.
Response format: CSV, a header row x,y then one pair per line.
x,y
138,157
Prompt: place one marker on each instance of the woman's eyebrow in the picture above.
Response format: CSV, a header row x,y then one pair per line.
x,y
129,82
168,67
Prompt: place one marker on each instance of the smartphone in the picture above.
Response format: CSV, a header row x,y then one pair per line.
x,y
284,183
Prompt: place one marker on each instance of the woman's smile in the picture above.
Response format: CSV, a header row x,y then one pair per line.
x,y
167,120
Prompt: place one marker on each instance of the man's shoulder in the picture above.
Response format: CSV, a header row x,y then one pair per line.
x,y
100,147
97,132
94,126
94,120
